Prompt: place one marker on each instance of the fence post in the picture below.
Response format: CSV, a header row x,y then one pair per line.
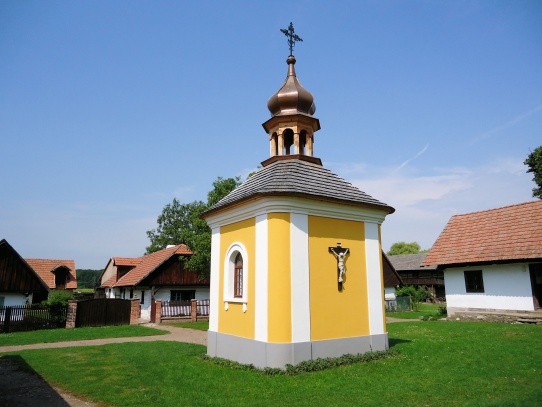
x,y
158,312
134,311
7,317
194,311
71,314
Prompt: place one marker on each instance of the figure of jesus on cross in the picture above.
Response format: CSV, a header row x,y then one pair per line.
x,y
340,253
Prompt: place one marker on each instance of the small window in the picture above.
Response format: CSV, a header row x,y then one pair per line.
x,y
474,281
236,272
142,297
238,277
182,295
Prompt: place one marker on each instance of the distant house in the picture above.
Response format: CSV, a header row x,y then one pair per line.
x,y
492,260
409,267
28,281
57,274
160,276
392,280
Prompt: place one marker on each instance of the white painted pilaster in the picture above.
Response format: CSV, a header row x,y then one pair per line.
x,y
374,279
261,279
299,260
215,276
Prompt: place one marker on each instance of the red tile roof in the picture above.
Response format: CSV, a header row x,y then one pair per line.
x,y
126,261
149,263
109,283
45,269
502,234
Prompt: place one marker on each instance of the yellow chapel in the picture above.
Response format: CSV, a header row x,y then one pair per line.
x,y
296,264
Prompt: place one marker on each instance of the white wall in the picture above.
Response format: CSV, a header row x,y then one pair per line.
x,y
110,271
389,293
506,287
15,299
164,294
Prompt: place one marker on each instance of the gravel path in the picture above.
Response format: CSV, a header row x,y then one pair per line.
x,y
21,387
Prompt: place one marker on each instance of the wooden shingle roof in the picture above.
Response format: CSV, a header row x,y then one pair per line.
x,y
45,269
497,235
299,178
408,262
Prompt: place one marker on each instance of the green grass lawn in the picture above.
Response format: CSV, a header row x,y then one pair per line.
x,y
76,334
440,364
201,325
425,310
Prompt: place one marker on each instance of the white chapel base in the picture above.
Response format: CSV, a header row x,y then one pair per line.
x,y
278,355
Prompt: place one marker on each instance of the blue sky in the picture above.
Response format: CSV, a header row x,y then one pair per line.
x,y
110,109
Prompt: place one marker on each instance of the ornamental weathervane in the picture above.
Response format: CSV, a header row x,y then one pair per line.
x,y
292,37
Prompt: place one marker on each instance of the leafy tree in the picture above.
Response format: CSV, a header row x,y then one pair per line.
x,y
405,248
534,162
181,223
58,298
87,278
417,295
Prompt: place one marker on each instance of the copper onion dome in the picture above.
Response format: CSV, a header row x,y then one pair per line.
x,y
292,98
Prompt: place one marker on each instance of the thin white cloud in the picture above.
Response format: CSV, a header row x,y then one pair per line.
x,y
424,204
507,125
423,150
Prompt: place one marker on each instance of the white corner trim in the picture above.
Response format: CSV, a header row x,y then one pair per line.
x,y
375,285
214,289
261,279
300,278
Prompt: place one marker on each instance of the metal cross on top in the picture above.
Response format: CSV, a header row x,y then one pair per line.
x,y
292,37
340,253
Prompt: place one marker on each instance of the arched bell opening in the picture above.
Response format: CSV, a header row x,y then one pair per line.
x,y
288,136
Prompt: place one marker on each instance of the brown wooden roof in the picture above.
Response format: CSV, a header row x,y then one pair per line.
x,y
391,278
497,235
16,275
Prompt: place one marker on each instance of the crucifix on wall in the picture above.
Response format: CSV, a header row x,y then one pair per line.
x,y
340,253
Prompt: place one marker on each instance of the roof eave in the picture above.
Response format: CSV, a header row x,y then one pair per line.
x,y
388,209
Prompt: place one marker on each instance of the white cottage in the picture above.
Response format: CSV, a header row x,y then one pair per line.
x,y
156,276
492,260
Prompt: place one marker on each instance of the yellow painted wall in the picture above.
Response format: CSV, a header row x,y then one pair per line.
x,y
337,314
234,321
279,287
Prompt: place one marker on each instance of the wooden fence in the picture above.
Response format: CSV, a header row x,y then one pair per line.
x,y
31,318
203,308
172,309
103,312
400,304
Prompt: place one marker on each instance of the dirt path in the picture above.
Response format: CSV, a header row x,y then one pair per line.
x,y
21,387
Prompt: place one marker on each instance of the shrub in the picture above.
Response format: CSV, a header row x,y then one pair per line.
x,y
416,295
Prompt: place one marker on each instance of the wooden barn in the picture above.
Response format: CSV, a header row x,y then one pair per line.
x,y
20,284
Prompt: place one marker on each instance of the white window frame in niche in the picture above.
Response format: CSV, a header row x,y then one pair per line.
x,y
229,275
